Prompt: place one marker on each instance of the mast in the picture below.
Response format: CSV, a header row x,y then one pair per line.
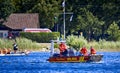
x,y
64,17
52,47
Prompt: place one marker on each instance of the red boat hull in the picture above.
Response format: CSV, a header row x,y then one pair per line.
x,y
93,58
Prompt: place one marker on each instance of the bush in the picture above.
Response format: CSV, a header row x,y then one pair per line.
x,y
102,45
113,32
41,37
76,42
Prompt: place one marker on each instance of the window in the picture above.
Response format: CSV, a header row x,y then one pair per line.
x,y
1,35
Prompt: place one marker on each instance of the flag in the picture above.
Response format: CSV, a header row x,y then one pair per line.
x,y
63,4
56,19
71,18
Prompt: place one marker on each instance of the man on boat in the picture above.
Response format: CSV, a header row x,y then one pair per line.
x,y
84,51
71,51
63,49
92,51
15,47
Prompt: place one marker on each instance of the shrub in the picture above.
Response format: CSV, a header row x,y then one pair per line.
x,y
114,32
76,42
42,37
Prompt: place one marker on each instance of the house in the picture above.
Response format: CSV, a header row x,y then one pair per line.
x,y
18,21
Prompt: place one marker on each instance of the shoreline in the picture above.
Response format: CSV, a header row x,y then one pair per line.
x,y
97,50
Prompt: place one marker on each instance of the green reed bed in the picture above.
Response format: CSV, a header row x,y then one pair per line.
x,y
101,45
23,44
73,41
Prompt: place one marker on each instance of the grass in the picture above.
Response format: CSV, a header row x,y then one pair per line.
x,y
101,45
23,44
26,44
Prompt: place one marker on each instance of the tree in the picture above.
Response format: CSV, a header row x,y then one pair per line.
x,y
89,16
114,32
45,8
6,8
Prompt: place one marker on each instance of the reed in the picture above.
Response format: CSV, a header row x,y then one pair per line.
x,y
74,41
23,44
101,45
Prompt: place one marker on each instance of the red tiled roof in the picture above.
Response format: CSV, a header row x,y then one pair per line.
x,y
22,20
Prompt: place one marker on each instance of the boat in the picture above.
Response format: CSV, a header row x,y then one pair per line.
x,y
16,54
92,58
80,58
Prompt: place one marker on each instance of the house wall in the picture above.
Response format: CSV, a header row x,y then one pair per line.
x,y
3,33
37,30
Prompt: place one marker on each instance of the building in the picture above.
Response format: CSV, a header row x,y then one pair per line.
x,y
37,30
17,22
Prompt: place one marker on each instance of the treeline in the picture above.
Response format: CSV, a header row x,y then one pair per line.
x,y
96,19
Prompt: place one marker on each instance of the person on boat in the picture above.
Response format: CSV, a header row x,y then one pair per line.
x,y
71,52
8,51
4,51
63,49
15,47
92,51
84,51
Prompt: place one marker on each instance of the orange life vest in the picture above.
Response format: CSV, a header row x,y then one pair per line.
x,y
62,47
92,51
84,51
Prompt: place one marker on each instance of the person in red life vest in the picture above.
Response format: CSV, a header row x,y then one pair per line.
x,y
84,51
92,51
63,49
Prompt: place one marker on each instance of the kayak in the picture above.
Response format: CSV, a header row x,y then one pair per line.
x,y
91,58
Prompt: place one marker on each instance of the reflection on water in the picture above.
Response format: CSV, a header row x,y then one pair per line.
x,y
36,63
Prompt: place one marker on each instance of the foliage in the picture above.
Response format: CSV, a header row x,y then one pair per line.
x,y
41,37
114,32
92,17
47,10
76,42
6,8
101,45
23,44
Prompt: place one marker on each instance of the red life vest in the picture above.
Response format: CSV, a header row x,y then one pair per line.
x,y
92,51
62,47
84,51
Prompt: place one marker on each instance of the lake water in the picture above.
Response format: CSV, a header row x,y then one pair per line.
x,y
36,63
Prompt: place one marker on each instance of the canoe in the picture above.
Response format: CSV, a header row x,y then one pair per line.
x,y
91,58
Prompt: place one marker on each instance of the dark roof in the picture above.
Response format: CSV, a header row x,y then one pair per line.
x,y
22,20
3,27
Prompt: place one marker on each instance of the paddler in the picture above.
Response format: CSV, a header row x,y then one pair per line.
x,y
63,49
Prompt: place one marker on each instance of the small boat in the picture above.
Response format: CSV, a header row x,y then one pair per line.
x,y
57,58
15,54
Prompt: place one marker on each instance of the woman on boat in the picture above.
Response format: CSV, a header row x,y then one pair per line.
x,y
92,51
84,51
63,49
